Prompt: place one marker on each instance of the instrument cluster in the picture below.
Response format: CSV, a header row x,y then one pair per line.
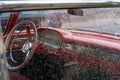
x,y
49,38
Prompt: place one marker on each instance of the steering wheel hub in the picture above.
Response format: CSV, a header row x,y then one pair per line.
x,y
26,47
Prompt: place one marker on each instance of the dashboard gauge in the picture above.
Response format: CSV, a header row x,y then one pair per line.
x,y
50,38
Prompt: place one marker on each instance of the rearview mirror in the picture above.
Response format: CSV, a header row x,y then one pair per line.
x,y
78,12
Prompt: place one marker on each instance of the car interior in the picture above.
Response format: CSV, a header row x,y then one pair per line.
x,y
62,43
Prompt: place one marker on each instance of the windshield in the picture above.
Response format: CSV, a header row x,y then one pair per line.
x,y
104,20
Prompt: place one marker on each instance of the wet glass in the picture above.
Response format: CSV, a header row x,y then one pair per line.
x,y
88,61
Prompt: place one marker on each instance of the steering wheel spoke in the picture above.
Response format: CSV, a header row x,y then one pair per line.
x,y
29,35
19,43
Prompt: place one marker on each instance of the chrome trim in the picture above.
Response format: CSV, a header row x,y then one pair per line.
x,y
6,6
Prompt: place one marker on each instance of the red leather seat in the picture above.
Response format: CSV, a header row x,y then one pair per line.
x,y
16,76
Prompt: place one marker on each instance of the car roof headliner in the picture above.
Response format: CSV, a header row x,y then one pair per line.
x,y
6,6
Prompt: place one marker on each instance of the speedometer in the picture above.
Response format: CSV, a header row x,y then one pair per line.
x,y
50,38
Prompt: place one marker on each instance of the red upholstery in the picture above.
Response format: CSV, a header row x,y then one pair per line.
x,y
16,76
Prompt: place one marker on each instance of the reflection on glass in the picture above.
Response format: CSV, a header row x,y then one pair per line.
x,y
3,62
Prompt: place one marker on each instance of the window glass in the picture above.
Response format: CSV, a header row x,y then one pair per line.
x,y
43,18
4,18
103,20
86,38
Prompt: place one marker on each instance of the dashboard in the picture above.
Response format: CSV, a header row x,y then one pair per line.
x,y
52,39
49,38
87,54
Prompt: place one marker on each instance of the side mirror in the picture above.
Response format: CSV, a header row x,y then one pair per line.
x,y
78,12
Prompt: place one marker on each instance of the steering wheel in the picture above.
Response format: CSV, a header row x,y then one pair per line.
x,y
17,45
